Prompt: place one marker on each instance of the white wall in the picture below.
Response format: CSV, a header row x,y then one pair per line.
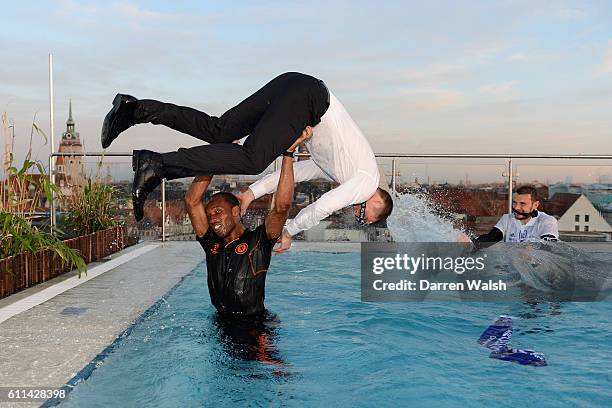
x,y
345,234
316,233
583,207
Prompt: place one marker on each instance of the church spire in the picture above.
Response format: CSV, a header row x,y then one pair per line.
x,y
70,135
70,121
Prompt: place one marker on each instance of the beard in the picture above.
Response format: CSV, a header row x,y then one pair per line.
x,y
522,216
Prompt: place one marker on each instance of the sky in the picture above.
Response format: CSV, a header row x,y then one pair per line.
x,y
418,77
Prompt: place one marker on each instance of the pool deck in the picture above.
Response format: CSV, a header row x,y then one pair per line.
x,y
49,344
45,343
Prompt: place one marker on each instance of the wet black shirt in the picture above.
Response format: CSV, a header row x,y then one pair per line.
x,y
237,271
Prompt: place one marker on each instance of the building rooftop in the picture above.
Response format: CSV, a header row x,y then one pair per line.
x,y
559,203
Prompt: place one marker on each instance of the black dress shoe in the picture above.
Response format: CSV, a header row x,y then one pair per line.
x,y
118,119
148,174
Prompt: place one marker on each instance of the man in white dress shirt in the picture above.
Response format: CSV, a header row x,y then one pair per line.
x,y
340,153
273,118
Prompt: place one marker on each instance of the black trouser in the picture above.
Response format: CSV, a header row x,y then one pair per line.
x,y
273,117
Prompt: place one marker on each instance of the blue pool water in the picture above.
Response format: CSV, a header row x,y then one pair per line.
x,y
327,347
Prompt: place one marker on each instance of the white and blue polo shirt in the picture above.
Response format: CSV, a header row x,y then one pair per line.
x,y
537,227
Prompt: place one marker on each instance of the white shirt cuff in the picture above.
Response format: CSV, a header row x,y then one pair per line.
x,y
292,229
258,189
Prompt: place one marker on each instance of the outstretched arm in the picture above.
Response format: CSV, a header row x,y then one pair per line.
x,y
195,206
488,239
353,191
275,220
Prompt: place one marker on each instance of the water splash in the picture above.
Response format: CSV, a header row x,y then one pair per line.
x,y
555,268
416,219
558,267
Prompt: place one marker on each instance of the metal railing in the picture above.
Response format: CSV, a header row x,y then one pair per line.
x,y
393,156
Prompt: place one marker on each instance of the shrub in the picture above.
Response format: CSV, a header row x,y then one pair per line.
x,y
91,207
20,191
18,236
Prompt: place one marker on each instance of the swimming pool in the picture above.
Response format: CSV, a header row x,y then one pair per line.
x,y
323,346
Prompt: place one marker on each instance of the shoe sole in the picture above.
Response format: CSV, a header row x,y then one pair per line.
x,y
106,127
134,168
134,160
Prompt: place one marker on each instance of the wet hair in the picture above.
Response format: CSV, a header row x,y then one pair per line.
x,y
528,189
387,205
228,197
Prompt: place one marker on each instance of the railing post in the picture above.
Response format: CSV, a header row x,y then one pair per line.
x,y
509,185
163,191
52,201
52,137
393,174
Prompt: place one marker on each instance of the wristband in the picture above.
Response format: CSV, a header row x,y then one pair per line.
x,y
288,154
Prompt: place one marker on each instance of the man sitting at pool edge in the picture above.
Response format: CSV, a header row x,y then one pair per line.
x,y
237,259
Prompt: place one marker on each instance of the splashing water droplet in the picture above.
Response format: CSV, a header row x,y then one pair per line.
x,y
414,219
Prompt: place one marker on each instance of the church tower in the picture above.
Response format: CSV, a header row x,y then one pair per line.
x,y
69,168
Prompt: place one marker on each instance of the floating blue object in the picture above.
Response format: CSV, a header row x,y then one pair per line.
x,y
525,357
497,337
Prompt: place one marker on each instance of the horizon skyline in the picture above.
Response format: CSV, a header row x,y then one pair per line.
x,y
593,177
121,171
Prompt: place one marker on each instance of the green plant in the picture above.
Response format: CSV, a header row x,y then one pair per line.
x,y
20,193
18,236
21,189
91,207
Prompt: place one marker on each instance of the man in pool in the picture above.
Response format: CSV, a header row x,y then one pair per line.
x,y
273,118
524,224
237,259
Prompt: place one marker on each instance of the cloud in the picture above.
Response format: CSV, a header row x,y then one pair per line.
x,y
520,58
543,57
606,65
431,100
119,16
498,91
133,12
539,58
74,7
567,13
435,73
